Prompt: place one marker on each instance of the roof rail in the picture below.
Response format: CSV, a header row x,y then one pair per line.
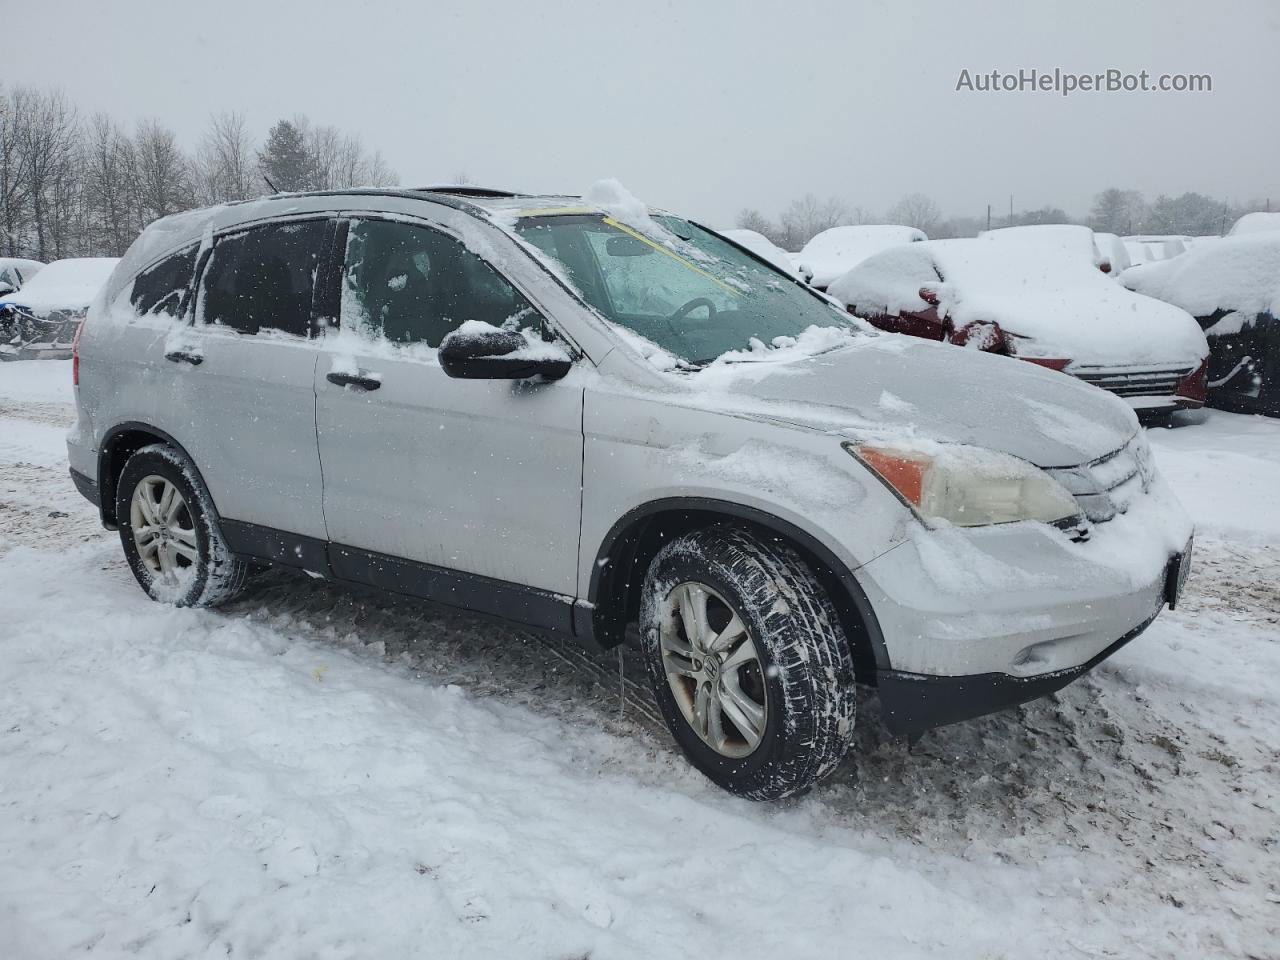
x,y
467,190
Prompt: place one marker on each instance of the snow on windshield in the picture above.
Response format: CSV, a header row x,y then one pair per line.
x,y
679,288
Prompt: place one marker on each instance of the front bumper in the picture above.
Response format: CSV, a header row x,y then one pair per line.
x,y
912,703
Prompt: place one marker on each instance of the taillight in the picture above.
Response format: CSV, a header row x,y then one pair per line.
x,y
75,355
929,296
1051,363
1195,385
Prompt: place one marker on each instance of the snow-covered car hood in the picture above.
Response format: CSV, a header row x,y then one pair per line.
x,y
1042,285
1240,273
884,388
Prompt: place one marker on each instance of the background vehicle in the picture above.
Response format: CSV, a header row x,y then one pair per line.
x,y
1232,288
1115,255
41,318
835,251
1147,249
14,272
615,416
1036,293
1259,222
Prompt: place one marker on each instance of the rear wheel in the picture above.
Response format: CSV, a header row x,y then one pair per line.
x,y
169,531
749,667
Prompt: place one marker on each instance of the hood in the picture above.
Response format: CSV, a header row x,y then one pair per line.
x,y
886,387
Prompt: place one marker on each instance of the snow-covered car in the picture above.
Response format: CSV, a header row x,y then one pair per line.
x,y
1232,288
580,414
1148,249
762,246
14,272
1259,222
1036,293
1115,255
834,252
40,319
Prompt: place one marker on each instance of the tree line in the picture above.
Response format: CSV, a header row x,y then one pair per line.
x,y
1124,212
82,186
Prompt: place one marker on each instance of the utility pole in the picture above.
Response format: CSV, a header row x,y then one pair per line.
x,y
1011,209
988,216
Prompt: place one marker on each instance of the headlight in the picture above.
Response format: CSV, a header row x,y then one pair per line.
x,y
969,486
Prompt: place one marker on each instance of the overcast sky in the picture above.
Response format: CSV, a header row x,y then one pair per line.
x,y
704,107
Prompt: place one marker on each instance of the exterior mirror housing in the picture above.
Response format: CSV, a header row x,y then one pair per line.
x,y
494,354
7,288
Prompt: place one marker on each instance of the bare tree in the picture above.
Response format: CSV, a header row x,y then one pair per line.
x,y
808,216
223,167
916,210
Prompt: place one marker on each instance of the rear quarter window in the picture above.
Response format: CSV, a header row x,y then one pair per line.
x,y
161,289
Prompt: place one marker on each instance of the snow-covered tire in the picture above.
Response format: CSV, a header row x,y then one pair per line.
x,y
207,573
805,673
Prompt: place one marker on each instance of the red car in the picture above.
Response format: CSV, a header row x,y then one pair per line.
x,y
1038,294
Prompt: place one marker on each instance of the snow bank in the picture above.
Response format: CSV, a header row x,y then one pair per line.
x,y
64,285
835,251
1239,273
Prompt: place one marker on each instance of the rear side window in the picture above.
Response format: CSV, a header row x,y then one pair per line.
x,y
161,290
263,279
411,284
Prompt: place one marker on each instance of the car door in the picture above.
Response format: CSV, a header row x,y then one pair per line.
x,y
247,368
476,484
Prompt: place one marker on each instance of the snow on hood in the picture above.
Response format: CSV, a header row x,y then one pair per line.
x,y
908,391
1239,273
64,285
835,251
763,247
1260,222
1040,284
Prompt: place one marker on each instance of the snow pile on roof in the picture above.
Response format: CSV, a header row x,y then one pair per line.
x,y
64,284
833,252
1239,273
1260,222
1039,284
763,247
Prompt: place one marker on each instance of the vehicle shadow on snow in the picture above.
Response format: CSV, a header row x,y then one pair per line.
x,y
1094,752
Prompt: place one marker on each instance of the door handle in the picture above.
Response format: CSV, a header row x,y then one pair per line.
x,y
354,380
182,356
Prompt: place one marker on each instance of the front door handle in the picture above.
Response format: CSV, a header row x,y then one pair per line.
x,y
354,380
182,356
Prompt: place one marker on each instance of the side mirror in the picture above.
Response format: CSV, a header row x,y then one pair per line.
x,y
7,288
493,354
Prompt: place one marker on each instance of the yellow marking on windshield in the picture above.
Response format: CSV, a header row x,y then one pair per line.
x,y
672,254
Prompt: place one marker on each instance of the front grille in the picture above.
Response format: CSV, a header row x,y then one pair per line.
x,y
1133,381
1107,486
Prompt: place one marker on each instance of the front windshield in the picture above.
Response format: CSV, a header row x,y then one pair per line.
x,y
690,292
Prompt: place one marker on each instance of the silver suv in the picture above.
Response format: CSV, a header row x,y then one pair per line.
x,y
580,416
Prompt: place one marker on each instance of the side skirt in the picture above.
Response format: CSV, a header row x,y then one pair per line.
x,y
510,602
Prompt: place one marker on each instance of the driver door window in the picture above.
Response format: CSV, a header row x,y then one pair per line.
x,y
411,284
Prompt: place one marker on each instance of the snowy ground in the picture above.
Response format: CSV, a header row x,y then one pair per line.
x,y
317,772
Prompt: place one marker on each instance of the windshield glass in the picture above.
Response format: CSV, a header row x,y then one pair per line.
x,y
689,291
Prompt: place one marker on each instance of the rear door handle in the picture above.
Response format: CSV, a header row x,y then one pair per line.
x,y
182,356
354,380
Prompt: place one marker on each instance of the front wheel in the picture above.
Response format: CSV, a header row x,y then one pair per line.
x,y
169,531
749,666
